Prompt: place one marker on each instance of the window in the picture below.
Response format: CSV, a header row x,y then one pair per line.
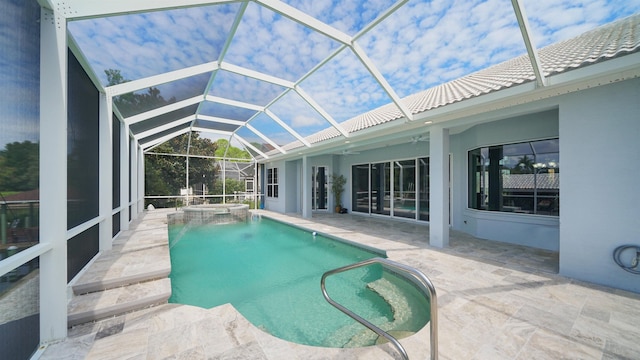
x,y
521,178
248,185
272,182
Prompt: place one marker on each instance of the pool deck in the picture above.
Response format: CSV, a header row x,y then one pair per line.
x,y
495,301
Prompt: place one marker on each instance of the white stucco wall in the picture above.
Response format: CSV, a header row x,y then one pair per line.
x,y
600,153
522,229
276,204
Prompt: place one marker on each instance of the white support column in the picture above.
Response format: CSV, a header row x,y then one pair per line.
x,y
134,178
106,171
439,187
306,188
140,180
53,176
124,177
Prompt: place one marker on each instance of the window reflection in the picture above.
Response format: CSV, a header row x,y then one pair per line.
x,y
520,178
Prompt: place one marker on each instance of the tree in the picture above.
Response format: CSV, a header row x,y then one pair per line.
x,y
166,174
134,103
233,152
20,163
523,166
231,186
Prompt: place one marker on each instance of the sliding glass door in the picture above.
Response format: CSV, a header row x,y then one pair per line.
x,y
397,188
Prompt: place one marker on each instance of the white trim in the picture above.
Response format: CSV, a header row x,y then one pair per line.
x,y
105,171
534,58
23,257
286,127
73,232
256,75
303,94
161,128
220,120
158,141
53,176
124,176
133,178
151,81
265,138
163,110
306,20
81,9
240,104
248,144
377,75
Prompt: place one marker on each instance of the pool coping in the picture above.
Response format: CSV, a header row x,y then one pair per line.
x,y
245,337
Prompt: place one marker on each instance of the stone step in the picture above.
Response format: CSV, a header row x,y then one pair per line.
x,y
400,308
394,296
117,301
112,283
114,269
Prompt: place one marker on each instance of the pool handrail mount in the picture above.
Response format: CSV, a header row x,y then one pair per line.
x,y
404,270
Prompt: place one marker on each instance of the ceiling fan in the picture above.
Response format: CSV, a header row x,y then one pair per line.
x,y
348,152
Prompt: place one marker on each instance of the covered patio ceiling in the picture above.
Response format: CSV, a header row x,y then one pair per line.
x,y
275,77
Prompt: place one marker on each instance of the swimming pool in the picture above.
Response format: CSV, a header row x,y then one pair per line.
x,y
270,272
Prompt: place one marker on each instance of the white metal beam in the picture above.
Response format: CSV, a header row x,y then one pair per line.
x,y
160,79
53,176
79,9
225,47
124,176
523,22
159,141
287,127
248,144
235,103
373,70
393,8
159,129
105,172
306,20
220,120
321,111
211,131
265,138
256,75
133,179
77,52
163,110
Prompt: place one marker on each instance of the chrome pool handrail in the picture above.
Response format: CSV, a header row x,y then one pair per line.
x,y
424,280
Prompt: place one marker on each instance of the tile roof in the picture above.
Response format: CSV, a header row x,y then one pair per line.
x,y
605,42
531,181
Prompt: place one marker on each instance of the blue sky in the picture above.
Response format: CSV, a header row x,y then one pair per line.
x,y
423,44
19,71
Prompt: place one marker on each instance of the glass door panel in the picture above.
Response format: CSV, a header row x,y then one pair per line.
x,y
381,188
319,188
404,189
360,188
423,183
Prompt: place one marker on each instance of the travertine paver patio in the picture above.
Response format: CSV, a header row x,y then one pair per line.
x,y
495,301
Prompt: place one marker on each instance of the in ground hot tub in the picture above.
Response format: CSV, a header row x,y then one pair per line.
x,y
211,214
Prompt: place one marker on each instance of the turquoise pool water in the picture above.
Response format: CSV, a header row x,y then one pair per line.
x,y
270,272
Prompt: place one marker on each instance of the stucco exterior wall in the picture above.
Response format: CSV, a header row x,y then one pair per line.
x,y
522,229
600,148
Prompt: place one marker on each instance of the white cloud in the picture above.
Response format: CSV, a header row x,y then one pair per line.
x,y
141,45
